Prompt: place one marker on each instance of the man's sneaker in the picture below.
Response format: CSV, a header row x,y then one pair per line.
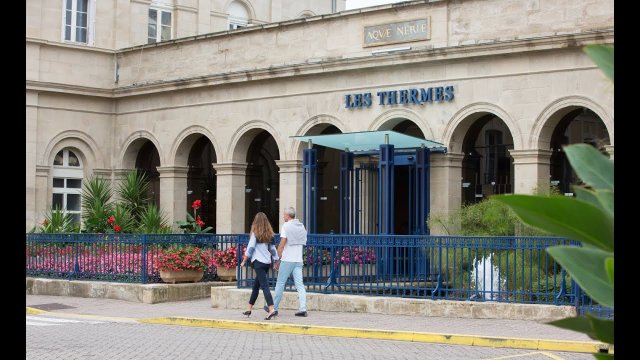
x,y
301,313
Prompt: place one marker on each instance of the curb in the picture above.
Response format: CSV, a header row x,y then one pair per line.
x,y
449,339
34,311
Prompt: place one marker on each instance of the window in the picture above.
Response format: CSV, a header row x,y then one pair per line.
x,y
159,25
67,183
238,16
77,21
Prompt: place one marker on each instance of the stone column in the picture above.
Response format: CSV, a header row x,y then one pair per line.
x,y
185,19
204,17
290,187
42,195
609,150
446,184
119,176
230,197
32,185
122,29
531,170
173,192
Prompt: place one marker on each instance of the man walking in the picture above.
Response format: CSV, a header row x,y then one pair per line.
x,y
293,237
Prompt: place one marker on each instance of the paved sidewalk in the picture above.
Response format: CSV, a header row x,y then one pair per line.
x,y
482,332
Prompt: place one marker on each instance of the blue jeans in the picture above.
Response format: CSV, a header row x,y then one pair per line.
x,y
286,269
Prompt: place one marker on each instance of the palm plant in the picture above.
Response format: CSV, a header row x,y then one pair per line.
x,y
56,221
153,221
133,192
96,205
122,220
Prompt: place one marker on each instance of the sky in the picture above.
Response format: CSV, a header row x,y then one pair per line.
x,y
355,4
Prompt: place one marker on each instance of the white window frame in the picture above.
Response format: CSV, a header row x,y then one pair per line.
x,y
236,22
159,10
66,173
91,15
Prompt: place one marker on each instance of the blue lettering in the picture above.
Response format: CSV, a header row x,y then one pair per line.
x,y
438,94
393,97
448,93
381,95
413,96
366,99
403,96
357,100
425,95
407,96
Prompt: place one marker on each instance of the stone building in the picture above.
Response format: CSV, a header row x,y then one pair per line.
x,y
205,96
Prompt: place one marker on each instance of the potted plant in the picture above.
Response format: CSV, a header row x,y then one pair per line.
x,y
183,263
355,261
318,260
226,262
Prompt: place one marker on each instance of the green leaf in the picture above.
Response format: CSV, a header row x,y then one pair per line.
x,y
605,197
564,216
602,55
595,169
608,265
586,195
583,266
602,199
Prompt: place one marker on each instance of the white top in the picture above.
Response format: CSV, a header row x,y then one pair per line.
x,y
290,253
260,251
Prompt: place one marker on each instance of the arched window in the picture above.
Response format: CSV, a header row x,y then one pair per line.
x,y
238,16
67,183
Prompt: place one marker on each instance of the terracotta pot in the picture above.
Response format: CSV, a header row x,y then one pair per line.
x,y
171,276
225,274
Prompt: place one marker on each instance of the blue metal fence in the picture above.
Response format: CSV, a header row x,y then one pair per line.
x,y
504,269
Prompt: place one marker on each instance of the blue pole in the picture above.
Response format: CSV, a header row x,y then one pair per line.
x,y
386,188
346,168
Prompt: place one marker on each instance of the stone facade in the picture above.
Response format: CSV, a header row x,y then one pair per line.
x,y
521,62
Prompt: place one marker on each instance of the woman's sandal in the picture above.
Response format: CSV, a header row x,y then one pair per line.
x,y
271,315
247,313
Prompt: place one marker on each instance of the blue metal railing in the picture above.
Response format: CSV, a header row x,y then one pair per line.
x,y
503,269
112,257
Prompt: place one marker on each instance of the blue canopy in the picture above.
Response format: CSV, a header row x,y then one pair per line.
x,y
368,140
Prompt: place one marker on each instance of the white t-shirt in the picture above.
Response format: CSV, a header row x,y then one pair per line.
x,y
290,253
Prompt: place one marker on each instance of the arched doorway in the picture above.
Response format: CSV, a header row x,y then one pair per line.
x,y
147,161
579,125
201,180
487,167
262,185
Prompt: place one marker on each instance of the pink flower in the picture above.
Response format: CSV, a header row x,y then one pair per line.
x,y
196,204
116,228
111,220
199,221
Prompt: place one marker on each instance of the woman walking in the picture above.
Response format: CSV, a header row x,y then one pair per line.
x,y
262,253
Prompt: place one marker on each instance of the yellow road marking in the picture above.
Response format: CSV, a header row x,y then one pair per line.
x,y
451,339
